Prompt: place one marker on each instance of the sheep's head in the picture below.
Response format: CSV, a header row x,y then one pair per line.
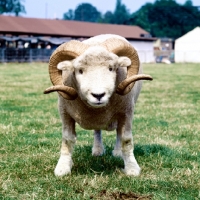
x,y
95,70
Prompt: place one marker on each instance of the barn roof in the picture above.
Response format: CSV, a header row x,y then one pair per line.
x,y
65,28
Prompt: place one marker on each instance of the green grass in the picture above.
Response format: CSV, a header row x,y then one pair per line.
x,y
166,134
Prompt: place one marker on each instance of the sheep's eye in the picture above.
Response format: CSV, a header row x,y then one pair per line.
x,y
80,71
110,69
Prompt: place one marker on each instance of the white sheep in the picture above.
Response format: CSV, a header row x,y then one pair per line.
x,y
95,80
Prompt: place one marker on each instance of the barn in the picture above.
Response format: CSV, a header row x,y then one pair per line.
x,y
32,39
187,47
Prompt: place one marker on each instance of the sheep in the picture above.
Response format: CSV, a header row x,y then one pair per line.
x,y
98,83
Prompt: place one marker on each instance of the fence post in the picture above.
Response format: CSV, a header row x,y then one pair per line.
x,y
30,55
3,55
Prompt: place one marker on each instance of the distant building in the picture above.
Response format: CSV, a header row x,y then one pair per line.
x,y
33,39
187,47
164,49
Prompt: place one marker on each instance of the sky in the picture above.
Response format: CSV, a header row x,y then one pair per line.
x,y
51,9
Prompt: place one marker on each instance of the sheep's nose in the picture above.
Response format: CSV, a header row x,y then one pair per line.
x,y
98,96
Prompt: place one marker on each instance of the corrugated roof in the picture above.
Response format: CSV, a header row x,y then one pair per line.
x,y
66,28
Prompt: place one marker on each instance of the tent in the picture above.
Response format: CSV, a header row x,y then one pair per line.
x,y
187,47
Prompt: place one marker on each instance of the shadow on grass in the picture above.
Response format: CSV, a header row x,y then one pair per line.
x,y
85,163
164,151
149,149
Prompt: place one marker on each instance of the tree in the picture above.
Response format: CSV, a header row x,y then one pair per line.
x,y
83,12
188,3
141,17
69,15
166,18
86,12
108,17
163,18
120,15
11,6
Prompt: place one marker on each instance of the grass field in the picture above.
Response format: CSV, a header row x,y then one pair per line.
x,y
166,134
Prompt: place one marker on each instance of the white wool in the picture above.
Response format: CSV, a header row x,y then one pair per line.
x,y
96,55
101,38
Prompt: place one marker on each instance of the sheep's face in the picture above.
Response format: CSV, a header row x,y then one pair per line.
x,y
95,72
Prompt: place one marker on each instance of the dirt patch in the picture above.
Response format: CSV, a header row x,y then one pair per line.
x,y
121,196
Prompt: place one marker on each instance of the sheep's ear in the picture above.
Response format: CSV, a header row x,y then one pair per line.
x,y
65,65
124,61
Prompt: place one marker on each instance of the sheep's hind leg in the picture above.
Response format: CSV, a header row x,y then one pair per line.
x,y
117,151
98,148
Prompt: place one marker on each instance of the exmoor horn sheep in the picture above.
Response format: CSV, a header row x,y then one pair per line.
x,y
98,81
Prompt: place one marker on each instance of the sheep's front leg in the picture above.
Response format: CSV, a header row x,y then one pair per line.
x,y
131,166
65,162
98,148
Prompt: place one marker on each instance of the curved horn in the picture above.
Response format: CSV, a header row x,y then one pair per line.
x,y
123,48
66,51
67,92
127,81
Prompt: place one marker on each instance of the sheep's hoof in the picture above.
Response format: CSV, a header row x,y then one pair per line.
x,y
98,150
64,166
62,170
132,171
117,153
